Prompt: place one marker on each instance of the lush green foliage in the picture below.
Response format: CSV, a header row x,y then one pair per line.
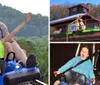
x,y
95,11
39,47
38,26
58,11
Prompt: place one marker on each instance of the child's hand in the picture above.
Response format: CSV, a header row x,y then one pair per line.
x,y
92,80
56,73
28,17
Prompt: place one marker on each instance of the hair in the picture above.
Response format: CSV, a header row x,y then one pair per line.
x,y
89,50
3,29
3,25
85,46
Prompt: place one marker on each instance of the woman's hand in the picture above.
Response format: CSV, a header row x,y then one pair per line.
x,y
28,17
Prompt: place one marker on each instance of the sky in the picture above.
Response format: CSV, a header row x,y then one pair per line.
x,y
95,2
25,6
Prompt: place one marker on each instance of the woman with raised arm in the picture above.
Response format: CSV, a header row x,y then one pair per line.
x,y
8,44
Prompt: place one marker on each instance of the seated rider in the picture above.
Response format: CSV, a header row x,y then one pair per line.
x,y
80,73
82,24
79,23
8,44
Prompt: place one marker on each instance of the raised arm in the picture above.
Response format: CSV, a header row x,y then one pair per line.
x,y
10,36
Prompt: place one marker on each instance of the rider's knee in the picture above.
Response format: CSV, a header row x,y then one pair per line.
x,y
82,77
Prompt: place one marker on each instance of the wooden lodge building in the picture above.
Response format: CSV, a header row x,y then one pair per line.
x,y
92,32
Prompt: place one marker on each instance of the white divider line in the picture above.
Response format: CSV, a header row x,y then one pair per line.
x,y
40,82
93,52
78,48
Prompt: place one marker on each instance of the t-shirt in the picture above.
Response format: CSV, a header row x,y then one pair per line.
x,y
85,68
1,50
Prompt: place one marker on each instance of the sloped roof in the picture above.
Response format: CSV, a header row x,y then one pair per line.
x,y
98,17
72,18
79,5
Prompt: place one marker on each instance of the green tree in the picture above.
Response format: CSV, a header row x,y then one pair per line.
x,y
39,47
38,26
95,11
58,11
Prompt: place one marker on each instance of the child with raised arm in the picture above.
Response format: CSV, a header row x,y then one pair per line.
x,y
80,73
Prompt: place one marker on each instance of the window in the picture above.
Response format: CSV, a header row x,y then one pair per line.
x,y
74,9
73,28
84,10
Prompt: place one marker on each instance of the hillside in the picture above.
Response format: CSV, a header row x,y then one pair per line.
x,y
38,47
58,11
38,26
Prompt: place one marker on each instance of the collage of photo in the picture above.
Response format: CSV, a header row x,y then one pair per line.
x,y
49,42
74,43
